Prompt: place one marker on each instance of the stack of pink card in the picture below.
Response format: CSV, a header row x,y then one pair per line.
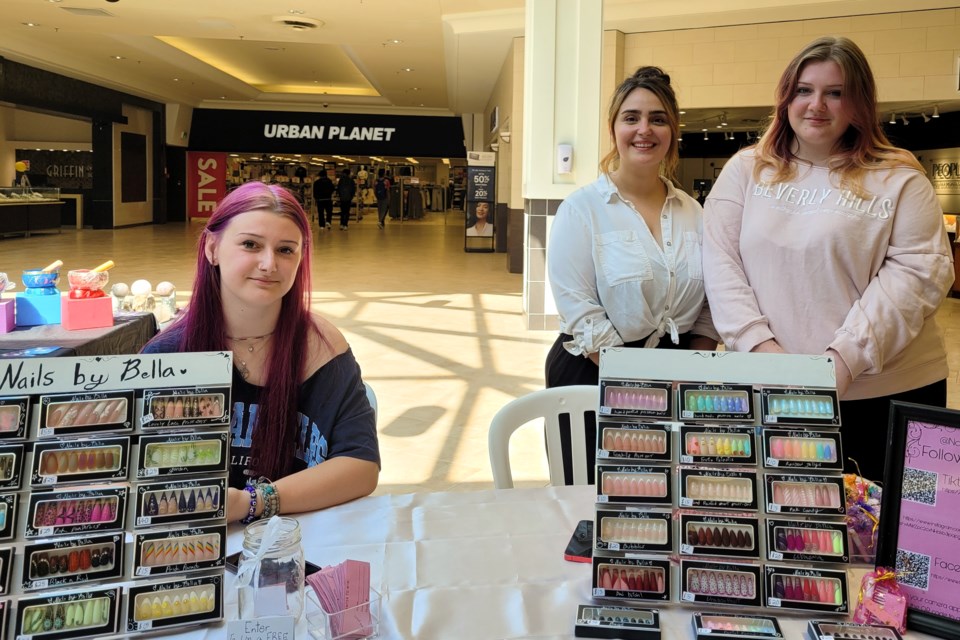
x,y
344,593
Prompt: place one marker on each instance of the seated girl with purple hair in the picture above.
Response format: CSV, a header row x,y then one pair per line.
x,y
303,433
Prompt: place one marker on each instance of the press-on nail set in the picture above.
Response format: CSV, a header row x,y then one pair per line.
x,y
628,623
756,479
829,630
113,472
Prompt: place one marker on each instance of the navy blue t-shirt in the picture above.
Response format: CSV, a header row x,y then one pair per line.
x,y
334,416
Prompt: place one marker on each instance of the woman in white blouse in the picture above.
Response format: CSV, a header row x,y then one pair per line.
x,y
624,251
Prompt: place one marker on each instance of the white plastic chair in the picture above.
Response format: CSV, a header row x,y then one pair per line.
x,y
372,397
548,405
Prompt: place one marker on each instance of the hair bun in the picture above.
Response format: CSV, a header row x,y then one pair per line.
x,y
651,73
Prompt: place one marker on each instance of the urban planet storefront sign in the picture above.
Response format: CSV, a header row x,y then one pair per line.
x,y
242,131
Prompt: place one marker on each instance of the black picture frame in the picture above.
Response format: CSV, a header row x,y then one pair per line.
x,y
908,428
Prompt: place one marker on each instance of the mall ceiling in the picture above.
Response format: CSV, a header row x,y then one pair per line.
x,y
425,57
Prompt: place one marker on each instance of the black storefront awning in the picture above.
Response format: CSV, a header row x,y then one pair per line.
x,y
241,131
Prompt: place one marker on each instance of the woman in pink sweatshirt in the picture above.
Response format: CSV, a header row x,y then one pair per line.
x,y
823,238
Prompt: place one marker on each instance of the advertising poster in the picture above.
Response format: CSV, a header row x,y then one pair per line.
x,y
928,564
206,182
480,220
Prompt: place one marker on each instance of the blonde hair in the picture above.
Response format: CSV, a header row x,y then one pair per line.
x,y
862,147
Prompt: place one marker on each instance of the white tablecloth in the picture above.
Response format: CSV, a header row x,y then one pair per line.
x,y
481,565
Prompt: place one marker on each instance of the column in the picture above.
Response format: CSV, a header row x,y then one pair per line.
x,y
563,41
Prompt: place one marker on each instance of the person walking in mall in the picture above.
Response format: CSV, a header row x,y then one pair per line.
x,y
624,251
323,196
825,239
346,190
303,433
382,191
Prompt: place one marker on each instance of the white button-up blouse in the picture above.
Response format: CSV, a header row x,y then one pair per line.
x,y
613,283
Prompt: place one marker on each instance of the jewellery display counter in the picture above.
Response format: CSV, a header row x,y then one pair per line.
x,y
26,210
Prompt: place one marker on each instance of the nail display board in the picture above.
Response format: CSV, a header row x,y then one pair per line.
x,y
113,485
742,450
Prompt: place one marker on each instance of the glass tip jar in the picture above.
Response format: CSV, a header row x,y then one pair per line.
x,y
271,573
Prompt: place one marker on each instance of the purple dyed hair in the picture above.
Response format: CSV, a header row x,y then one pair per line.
x,y
202,326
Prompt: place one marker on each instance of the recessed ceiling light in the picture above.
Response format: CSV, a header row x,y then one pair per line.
x,y
297,12
30,24
389,42
223,97
176,79
683,124
414,88
683,112
54,1
118,57
406,68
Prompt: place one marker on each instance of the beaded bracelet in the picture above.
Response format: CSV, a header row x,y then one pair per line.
x,y
251,514
271,500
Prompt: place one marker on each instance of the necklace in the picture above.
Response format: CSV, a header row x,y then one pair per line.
x,y
254,341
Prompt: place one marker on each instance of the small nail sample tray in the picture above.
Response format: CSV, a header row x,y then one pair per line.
x,y
807,541
173,604
639,485
628,623
636,398
721,583
183,501
191,407
78,614
9,511
172,455
736,626
820,590
6,568
717,488
74,414
802,450
11,466
714,535
808,495
824,630
727,445
14,417
54,513
632,578
634,441
715,402
795,406
56,462
631,530
48,565
179,551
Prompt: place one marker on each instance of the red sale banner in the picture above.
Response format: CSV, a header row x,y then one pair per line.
x,y
206,182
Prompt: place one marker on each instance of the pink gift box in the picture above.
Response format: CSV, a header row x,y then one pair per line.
x,y
86,313
7,316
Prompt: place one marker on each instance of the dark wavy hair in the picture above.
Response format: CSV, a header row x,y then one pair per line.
x,y
201,327
652,79
862,147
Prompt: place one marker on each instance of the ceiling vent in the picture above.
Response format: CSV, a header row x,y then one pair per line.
x,y
298,23
92,13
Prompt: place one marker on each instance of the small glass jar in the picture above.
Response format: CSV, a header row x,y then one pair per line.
x,y
277,588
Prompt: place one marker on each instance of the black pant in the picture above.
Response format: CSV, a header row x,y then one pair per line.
x,y
325,211
383,207
564,370
864,427
345,212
